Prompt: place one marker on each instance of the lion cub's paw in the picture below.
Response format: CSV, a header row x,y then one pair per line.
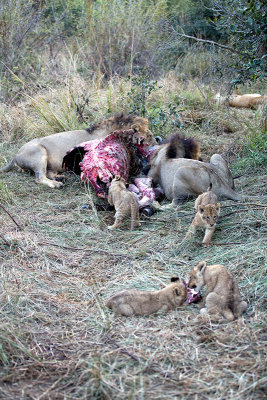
x,y
111,227
207,244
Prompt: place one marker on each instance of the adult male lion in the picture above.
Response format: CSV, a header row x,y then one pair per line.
x,y
44,155
181,178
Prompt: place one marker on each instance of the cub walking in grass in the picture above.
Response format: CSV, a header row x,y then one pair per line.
x,y
222,294
131,302
208,210
125,203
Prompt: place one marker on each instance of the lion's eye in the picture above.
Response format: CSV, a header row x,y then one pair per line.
x,y
207,217
215,217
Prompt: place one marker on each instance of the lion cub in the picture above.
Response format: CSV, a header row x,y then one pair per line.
x,y
222,294
125,203
141,302
208,211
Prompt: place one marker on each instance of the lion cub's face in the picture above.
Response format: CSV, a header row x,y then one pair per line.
x,y
178,290
196,280
118,183
209,214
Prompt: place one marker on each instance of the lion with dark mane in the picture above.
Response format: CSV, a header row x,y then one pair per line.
x,y
44,155
176,167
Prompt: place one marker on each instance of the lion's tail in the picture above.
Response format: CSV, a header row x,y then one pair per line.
x,y
9,166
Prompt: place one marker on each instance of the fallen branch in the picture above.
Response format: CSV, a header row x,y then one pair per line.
x,y
209,42
238,211
249,204
219,244
13,219
122,350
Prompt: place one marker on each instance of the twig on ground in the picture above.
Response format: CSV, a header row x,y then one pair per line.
x,y
246,204
122,350
219,244
20,228
238,211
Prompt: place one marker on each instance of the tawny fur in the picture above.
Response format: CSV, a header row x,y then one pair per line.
x,y
44,155
208,211
181,178
125,203
242,101
222,296
131,302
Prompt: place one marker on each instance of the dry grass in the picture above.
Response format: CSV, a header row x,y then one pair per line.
x,y
57,338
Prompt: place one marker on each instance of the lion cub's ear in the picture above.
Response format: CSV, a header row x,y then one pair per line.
x,y
175,279
217,207
201,209
201,266
117,178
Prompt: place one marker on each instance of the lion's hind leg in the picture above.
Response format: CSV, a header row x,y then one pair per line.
x,y
215,306
238,305
34,157
134,215
240,308
126,310
118,221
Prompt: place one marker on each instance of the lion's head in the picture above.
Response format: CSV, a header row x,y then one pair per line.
x,y
122,121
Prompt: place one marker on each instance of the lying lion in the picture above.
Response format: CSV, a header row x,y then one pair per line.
x,y
242,101
131,302
125,203
44,155
222,294
182,178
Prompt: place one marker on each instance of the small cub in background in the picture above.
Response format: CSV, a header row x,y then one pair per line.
x,y
208,211
131,302
125,203
222,295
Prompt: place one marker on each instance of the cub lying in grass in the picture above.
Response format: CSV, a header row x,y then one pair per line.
x,y
140,302
125,203
208,210
222,294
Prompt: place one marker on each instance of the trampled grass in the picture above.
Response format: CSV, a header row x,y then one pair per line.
x,y
59,264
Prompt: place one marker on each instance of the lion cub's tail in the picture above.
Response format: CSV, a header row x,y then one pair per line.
x,y
9,166
210,187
